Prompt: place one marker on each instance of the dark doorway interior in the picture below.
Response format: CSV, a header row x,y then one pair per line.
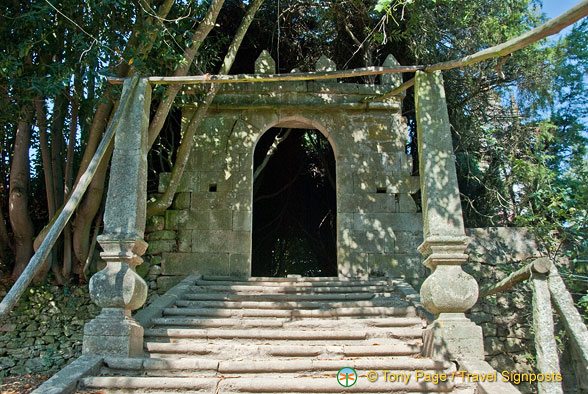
x,y
294,206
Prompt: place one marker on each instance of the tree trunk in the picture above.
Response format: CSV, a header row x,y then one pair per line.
x,y
67,233
57,147
162,203
172,91
45,155
22,225
5,245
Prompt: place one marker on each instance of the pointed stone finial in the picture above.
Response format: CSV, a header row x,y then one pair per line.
x,y
395,79
265,64
325,64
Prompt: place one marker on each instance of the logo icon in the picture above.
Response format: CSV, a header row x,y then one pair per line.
x,y
347,377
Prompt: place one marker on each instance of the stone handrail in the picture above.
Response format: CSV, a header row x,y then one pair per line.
x,y
539,266
42,253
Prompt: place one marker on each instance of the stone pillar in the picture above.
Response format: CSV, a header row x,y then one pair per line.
x,y
117,288
449,291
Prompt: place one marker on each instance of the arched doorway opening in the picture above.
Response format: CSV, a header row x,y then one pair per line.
x,y
294,204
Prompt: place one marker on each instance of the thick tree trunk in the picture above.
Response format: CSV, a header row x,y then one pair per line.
x,y
22,225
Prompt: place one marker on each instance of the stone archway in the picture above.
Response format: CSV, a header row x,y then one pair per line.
x,y
377,224
294,204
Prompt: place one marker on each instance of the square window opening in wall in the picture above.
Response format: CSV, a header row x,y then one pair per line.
x,y
381,190
212,188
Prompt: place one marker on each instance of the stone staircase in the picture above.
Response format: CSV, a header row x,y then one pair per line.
x,y
281,335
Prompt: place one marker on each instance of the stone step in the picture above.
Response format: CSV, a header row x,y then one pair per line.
x,y
260,384
382,301
260,288
203,296
192,364
293,313
314,335
298,283
335,324
391,348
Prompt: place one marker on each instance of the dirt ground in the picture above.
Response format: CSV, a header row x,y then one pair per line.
x,y
21,384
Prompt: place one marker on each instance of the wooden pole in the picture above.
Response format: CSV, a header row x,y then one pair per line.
x,y
308,76
573,322
547,357
35,263
392,93
540,266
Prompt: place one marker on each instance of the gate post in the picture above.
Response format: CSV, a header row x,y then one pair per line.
x,y
117,288
449,291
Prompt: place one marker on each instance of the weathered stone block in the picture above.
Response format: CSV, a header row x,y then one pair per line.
x,y
161,235
369,183
219,179
407,242
188,183
160,246
220,219
211,240
181,201
239,265
195,263
409,267
176,219
242,220
383,221
164,283
352,264
240,242
155,223
391,146
372,241
367,202
345,221
184,240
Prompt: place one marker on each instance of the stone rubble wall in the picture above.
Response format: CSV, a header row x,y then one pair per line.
x,y
44,331
506,318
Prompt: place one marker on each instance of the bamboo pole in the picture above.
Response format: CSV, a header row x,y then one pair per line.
x,y
36,261
540,266
545,345
573,322
307,76
392,93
